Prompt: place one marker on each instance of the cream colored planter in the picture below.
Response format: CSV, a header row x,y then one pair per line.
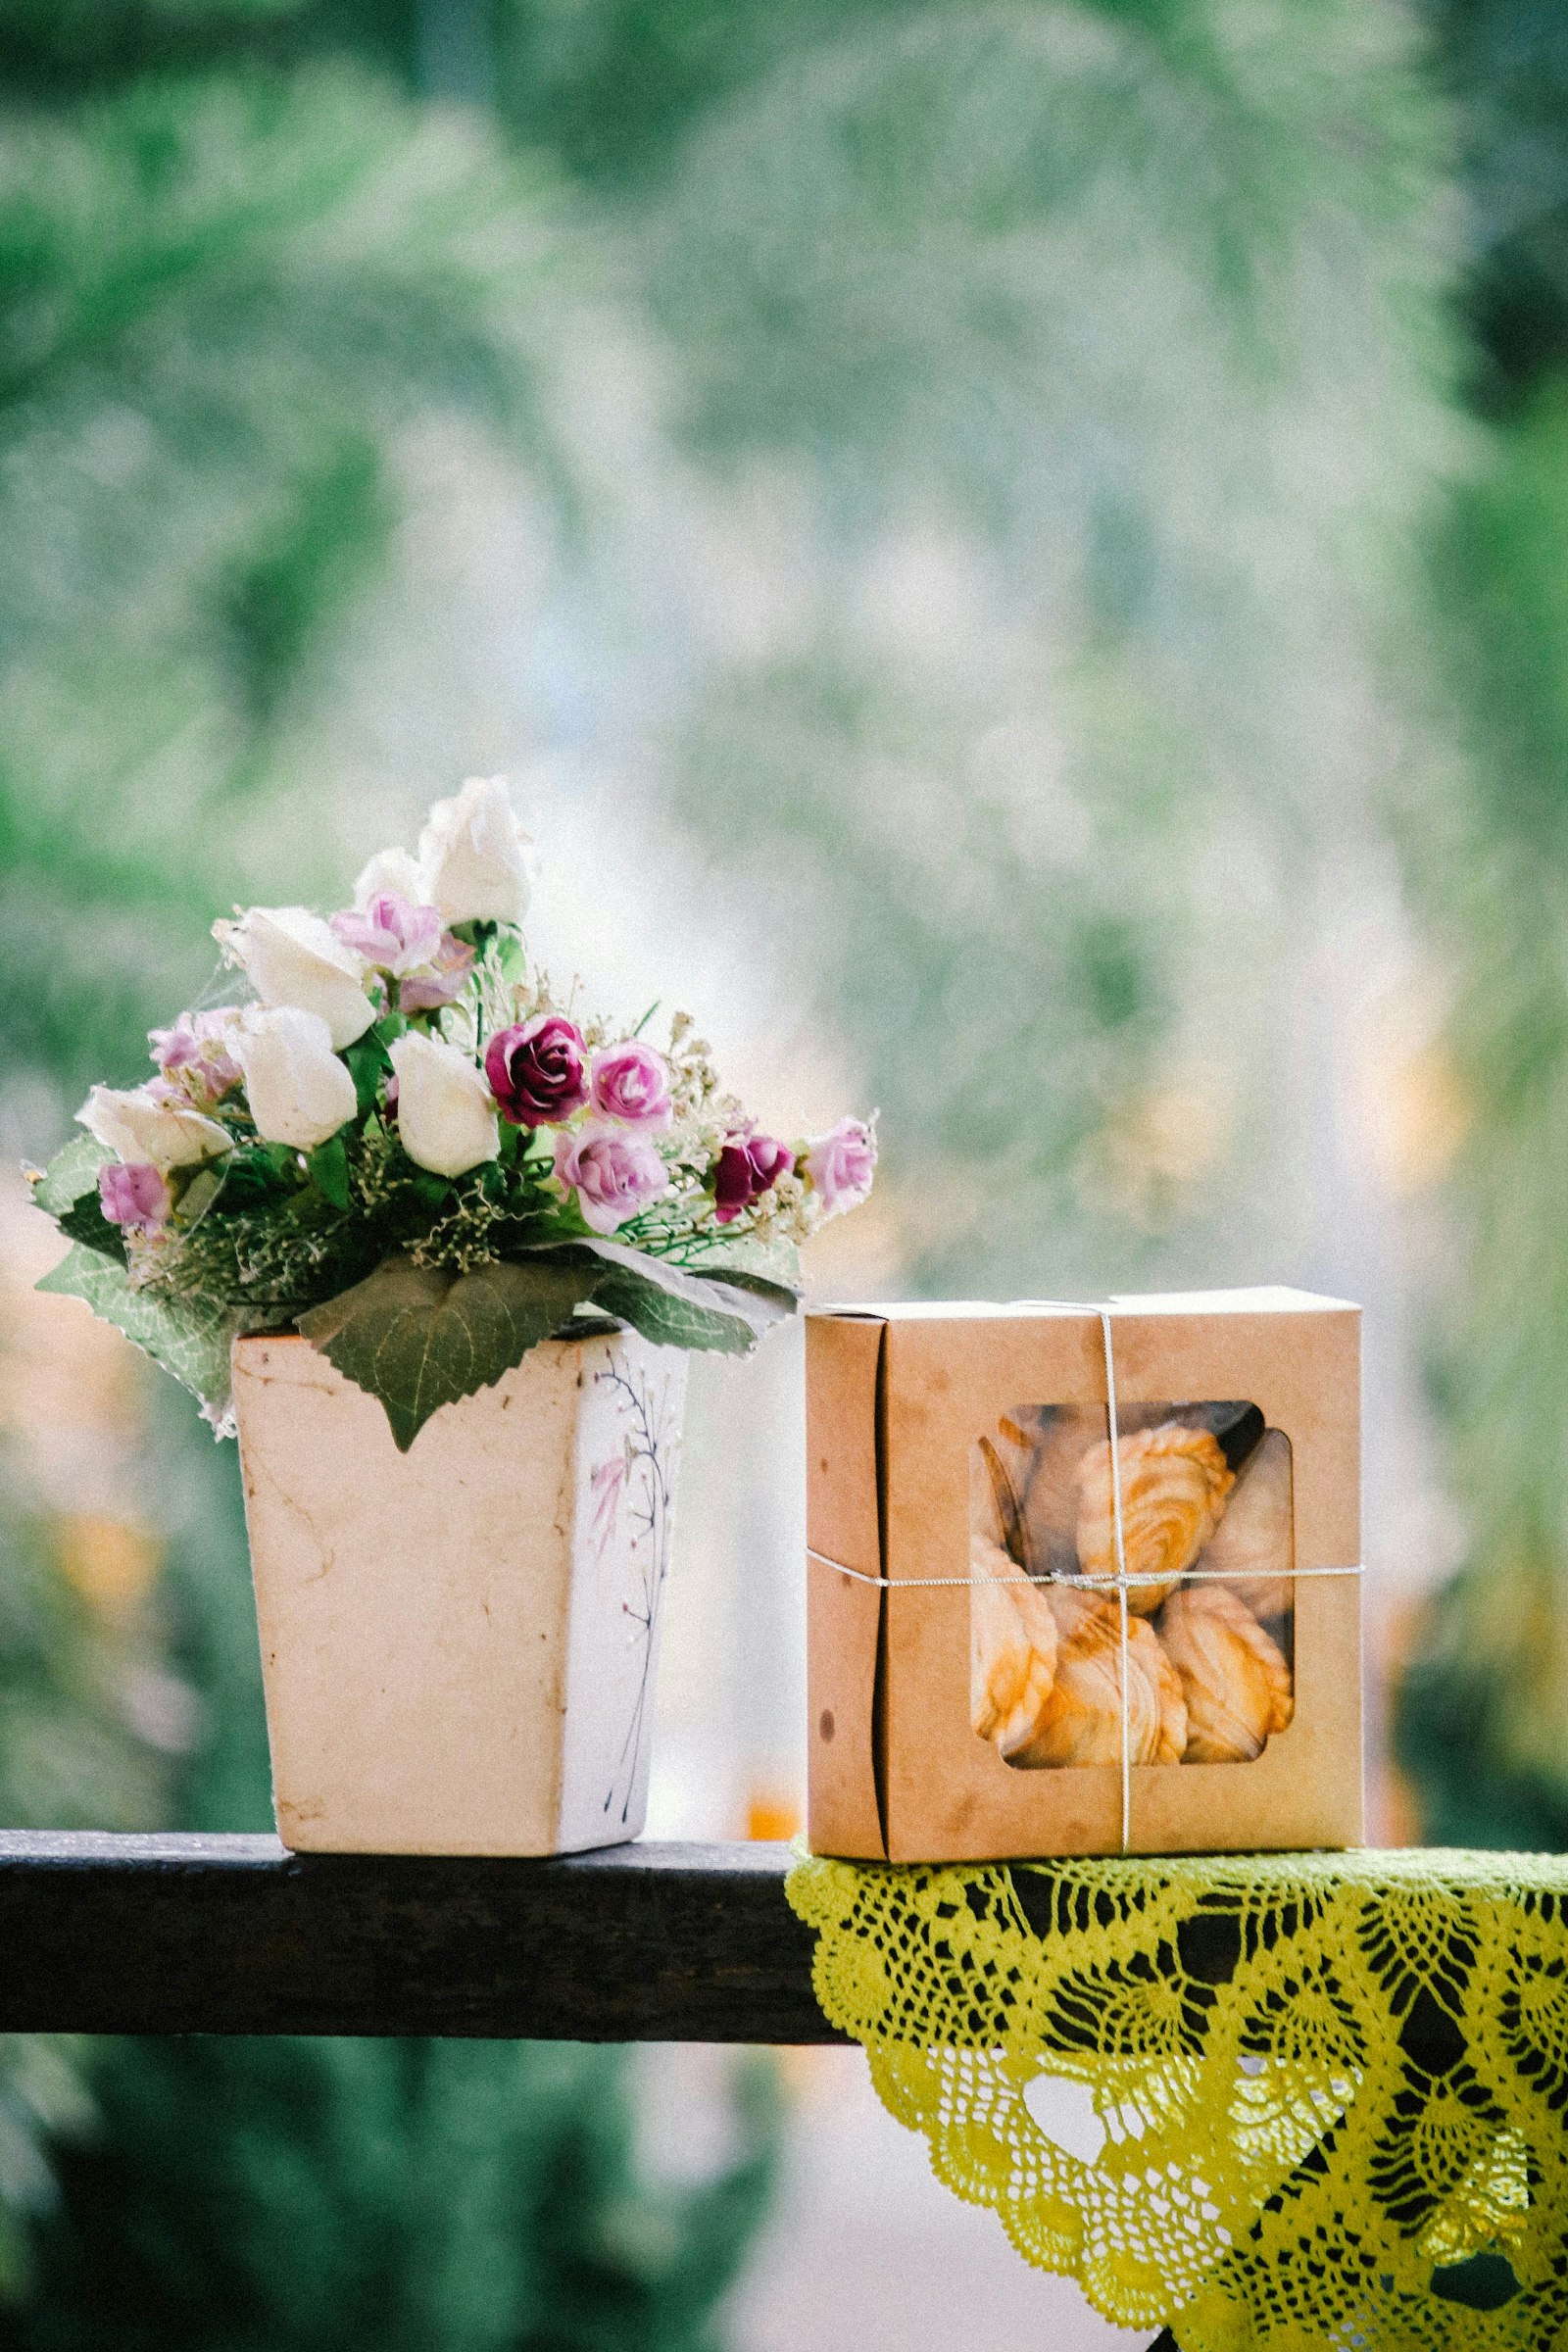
x,y
458,1643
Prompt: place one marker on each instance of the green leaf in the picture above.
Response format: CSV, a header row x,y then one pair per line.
x,y
748,1259
254,1177
328,1165
416,1339
198,1196
190,1338
783,1297
84,1222
670,1321
367,1065
72,1173
753,1300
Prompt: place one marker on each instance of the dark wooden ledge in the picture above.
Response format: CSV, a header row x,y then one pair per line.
x,y
647,1943
169,1935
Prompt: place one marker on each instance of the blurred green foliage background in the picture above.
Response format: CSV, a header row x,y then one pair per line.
x,y
1030,505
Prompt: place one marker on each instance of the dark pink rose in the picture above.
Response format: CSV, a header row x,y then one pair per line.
x,y
133,1196
538,1070
748,1166
841,1165
613,1173
632,1082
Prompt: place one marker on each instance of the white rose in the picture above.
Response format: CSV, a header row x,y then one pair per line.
x,y
294,958
471,855
446,1112
145,1132
298,1090
391,870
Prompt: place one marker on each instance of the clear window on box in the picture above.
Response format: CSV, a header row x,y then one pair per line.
x,y
1209,1539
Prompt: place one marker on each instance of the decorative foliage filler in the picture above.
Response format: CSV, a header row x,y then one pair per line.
x,y
395,1138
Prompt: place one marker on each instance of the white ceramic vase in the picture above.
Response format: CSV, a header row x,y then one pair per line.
x,y
460,1643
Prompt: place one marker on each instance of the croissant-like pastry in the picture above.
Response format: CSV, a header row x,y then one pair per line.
x,y
1012,1647
1253,1545
1047,1443
1233,1676
1174,1482
1080,1722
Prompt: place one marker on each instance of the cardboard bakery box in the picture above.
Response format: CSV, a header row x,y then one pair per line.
x,y
966,1628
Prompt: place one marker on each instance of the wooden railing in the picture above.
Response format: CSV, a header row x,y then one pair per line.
x,y
181,1935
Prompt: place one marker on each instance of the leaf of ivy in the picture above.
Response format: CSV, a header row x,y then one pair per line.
x,y
72,1173
416,1339
190,1338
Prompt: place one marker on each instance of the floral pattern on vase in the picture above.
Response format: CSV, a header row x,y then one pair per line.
x,y
628,1453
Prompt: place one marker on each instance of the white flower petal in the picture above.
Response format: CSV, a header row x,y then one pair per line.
x,y
141,1130
471,855
294,959
446,1112
299,1092
392,870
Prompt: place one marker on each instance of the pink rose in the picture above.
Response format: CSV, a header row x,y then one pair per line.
x,y
538,1070
390,932
632,1082
439,982
407,942
133,1196
613,1174
840,1166
194,1057
748,1166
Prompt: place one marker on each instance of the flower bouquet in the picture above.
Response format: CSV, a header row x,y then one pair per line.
x,y
392,1177
396,1140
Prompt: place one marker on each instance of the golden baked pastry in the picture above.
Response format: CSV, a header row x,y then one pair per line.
x,y
1080,1721
1174,1482
1047,1484
1255,1544
1012,1647
1233,1676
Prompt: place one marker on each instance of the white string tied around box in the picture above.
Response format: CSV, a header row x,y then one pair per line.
x,y
1095,1584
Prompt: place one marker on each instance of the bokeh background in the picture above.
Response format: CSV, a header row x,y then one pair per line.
x,y
1016,555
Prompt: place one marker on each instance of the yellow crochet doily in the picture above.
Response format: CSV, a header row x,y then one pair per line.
x,y
1302,2102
